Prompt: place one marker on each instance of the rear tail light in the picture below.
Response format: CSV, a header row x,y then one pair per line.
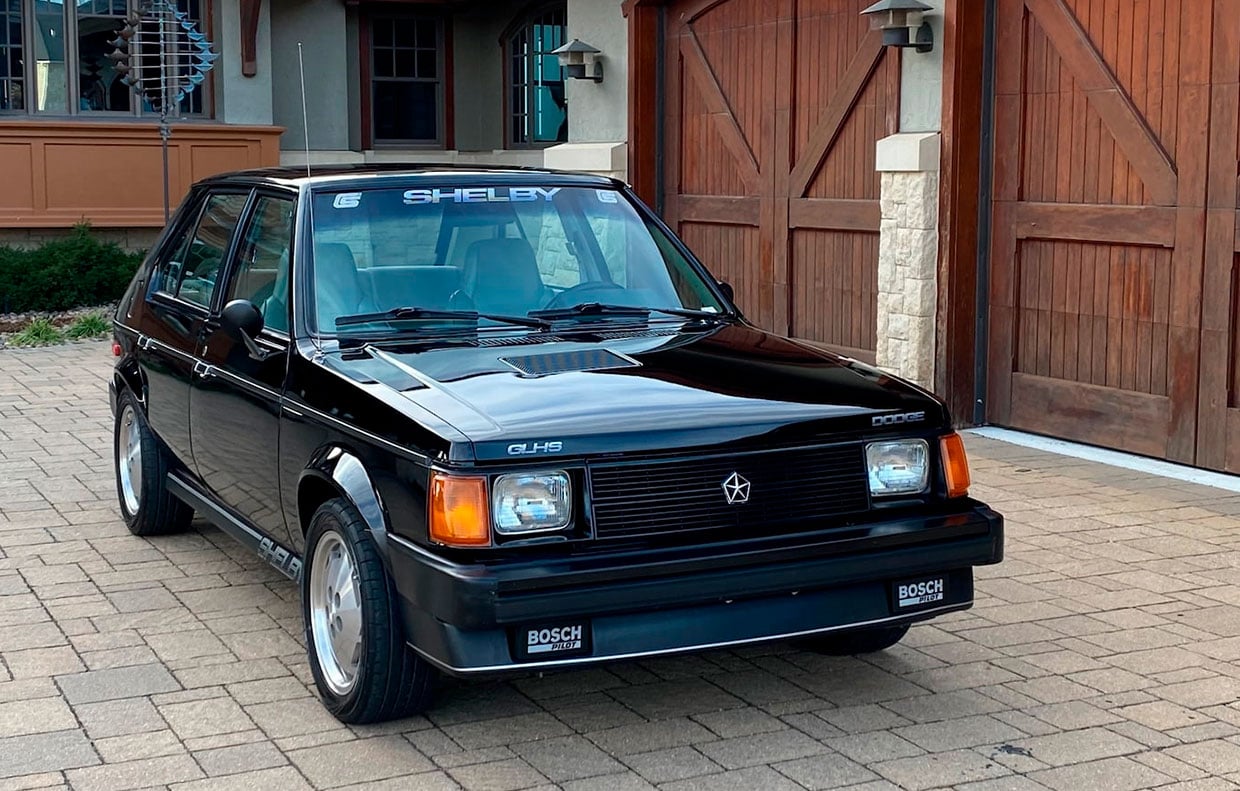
x,y
116,349
955,465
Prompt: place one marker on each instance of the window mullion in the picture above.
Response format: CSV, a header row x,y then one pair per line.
x,y
72,68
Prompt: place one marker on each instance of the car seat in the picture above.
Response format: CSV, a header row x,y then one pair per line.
x,y
337,285
501,276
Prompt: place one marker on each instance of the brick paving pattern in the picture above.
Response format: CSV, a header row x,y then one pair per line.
x,y
1100,655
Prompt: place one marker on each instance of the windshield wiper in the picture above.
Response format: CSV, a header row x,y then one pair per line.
x,y
587,309
431,314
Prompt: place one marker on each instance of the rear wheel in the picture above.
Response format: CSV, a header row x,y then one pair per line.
x,y
142,475
857,641
355,639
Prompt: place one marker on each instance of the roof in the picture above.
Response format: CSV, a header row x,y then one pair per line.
x,y
318,175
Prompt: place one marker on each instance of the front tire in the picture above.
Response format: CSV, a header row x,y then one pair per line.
x,y
355,638
142,463
857,641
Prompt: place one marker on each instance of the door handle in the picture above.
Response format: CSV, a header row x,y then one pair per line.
x,y
145,342
204,370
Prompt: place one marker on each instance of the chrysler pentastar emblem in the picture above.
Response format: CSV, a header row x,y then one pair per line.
x,y
736,489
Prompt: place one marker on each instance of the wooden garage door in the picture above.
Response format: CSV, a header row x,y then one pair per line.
x,y
1103,141
773,110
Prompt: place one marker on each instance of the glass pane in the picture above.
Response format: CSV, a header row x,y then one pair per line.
x,y
383,63
550,118
405,33
51,78
428,34
406,111
428,64
381,32
502,257
405,63
11,97
99,85
205,256
263,274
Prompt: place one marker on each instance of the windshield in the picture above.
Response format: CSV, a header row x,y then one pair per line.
x,y
502,251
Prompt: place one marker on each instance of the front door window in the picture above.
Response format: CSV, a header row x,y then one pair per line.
x,y
263,263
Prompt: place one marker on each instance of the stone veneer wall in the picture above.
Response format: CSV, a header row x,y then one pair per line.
x,y
908,256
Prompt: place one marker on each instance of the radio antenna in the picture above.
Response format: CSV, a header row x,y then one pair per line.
x,y
305,115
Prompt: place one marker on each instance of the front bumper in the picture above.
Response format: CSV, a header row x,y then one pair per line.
x,y
465,618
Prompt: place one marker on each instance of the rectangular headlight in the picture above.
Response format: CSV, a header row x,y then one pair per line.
x,y
897,466
532,502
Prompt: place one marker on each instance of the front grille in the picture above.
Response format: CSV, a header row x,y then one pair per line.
x,y
789,490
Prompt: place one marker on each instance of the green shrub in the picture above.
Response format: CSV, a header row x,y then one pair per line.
x,y
76,271
40,332
92,325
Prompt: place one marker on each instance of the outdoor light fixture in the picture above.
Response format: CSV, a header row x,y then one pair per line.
x,y
575,56
903,23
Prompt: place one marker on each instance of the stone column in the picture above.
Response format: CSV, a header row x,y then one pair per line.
x,y
908,253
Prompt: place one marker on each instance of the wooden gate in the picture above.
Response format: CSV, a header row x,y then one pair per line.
x,y
773,110
1103,140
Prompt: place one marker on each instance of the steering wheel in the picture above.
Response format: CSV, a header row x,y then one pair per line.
x,y
570,296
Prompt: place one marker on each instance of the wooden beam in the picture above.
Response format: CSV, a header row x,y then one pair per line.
x,y
725,120
855,78
1108,97
644,88
718,210
1146,226
250,12
835,214
964,34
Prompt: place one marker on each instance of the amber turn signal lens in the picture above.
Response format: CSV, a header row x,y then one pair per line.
x,y
459,516
955,465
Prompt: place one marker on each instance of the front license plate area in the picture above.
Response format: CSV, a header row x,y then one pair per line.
x,y
918,593
551,641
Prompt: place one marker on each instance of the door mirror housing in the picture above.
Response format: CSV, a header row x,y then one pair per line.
x,y
241,318
728,291
242,321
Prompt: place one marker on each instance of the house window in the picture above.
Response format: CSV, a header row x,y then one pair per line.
x,y
537,111
11,60
406,79
54,58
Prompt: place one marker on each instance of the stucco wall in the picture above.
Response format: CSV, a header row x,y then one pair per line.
x,y
921,81
320,26
240,99
479,73
598,113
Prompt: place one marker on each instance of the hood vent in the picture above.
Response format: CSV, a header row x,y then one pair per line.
x,y
621,334
564,362
517,340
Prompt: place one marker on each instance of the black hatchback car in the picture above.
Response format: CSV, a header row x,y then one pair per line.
x,y
502,420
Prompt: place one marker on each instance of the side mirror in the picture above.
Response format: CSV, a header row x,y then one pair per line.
x,y
240,318
242,321
727,290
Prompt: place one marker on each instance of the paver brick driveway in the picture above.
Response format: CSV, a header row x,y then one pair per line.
x,y
1101,654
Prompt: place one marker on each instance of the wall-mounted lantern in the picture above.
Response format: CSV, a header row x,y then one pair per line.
x,y
576,56
903,23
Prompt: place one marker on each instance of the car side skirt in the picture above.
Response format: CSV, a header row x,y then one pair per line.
x,y
285,560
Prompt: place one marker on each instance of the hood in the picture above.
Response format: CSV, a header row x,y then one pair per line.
x,y
662,388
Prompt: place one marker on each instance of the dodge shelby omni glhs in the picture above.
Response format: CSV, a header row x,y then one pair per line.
x,y
504,421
